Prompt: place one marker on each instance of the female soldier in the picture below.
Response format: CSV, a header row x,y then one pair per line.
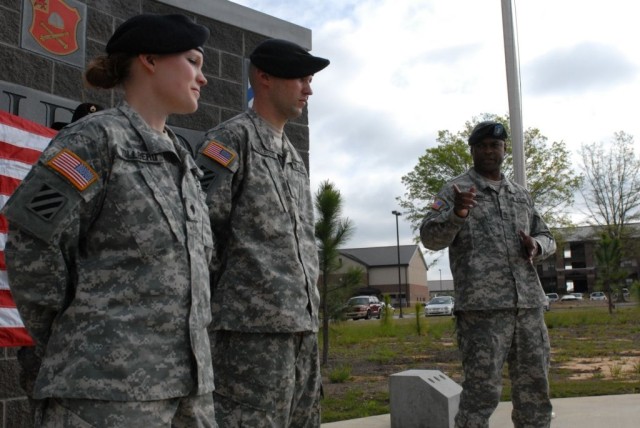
x,y
109,243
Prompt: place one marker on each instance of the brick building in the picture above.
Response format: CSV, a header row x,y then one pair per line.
x,y
381,268
574,267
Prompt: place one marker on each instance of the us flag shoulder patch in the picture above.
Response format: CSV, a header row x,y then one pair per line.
x,y
437,205
219,153
74,169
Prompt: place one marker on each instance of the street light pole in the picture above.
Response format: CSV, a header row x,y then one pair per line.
x,y
397,214
440,270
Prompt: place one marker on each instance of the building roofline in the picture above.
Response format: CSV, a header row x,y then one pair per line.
x,y
247,19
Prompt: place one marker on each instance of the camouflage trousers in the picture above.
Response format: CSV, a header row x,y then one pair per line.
x,y
266,380
488,339
184,412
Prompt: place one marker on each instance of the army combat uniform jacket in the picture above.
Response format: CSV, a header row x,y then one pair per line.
x,y
486,255
108,257
265,269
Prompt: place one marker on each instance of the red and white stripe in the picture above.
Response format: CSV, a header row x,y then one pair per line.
x,y
21,142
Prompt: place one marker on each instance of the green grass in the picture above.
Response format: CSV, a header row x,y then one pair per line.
x,y
593,353
340,374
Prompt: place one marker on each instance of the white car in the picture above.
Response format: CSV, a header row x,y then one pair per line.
x,y
579,296
385,307
598,295
568,297
553,297
441,305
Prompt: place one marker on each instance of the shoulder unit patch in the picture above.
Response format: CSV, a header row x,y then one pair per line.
x,y
219,153
74,169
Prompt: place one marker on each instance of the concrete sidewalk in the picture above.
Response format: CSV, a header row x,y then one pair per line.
x,y
606,411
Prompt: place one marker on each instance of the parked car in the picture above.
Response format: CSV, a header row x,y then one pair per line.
x,y
553,297
568,297
598,295
547,305
363,307
441,305
385,307
579,296
625,295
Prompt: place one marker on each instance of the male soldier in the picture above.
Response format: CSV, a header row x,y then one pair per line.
x,y
264,274
494,235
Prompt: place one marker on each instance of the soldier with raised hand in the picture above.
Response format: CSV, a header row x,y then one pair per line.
x,y
264,273
109,246
494,235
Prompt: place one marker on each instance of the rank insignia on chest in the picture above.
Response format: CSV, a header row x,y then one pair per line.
x,y
438,204
74,169
219,153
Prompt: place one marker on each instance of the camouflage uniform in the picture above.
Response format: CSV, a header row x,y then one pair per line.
x,y
107,258
263,276
499,297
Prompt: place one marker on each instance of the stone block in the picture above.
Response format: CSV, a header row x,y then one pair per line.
x,y
18,413
9,382
423,399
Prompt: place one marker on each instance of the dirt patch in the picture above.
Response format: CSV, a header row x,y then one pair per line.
x,y
603,368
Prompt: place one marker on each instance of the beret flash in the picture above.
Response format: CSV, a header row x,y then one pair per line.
x,y
286,60
487,129
157,34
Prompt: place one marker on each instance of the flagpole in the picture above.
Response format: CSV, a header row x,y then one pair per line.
x,y
514,91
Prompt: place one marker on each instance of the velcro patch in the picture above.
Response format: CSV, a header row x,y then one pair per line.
x,y
438,204
219,153
74,169
207,179
47,202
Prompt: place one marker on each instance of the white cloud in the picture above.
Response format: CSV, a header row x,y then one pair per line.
x,y
403,70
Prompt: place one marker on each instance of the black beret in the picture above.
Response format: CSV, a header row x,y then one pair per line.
x,y
157,34
487,129
84,109
286,60
81,111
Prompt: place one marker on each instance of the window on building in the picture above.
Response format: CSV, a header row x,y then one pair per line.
x,y
569,286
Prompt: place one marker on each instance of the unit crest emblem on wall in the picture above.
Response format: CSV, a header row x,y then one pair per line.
x,y
55,26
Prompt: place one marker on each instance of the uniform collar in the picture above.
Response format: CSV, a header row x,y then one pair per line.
x,y
482,182
155,142
265,134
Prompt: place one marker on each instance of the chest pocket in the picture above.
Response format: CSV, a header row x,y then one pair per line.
x,y
147,202
268,166
520,211
296,179
482,222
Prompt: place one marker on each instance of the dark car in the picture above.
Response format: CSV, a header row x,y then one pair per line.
x,y
363,307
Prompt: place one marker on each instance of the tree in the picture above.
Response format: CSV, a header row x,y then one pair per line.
x,y
612,184
612,196
331,232
340,288
550,179
608,255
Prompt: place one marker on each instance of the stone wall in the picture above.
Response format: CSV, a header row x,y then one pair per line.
x,y
235,31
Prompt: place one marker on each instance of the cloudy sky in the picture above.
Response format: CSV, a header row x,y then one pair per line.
x,y
401,70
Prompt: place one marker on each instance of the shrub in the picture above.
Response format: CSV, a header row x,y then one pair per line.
x,y
340,374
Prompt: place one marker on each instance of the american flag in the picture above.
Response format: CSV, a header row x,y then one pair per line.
x,y
218,153
21,143
71,166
